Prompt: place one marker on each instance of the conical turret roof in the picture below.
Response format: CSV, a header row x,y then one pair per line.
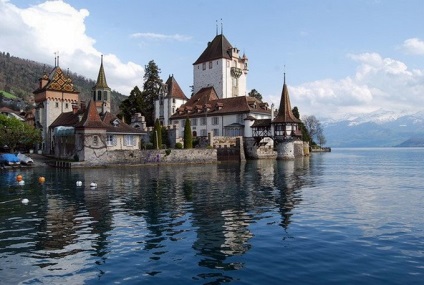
x,y
285,114
101,78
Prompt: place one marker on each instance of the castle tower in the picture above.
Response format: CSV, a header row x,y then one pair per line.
x,y
220,66
170,98
101,92
286,127
55,95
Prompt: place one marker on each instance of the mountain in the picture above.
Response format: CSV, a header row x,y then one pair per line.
x,y
19,77
381,128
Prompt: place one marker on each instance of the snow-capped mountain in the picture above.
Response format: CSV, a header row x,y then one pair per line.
x,y
381,128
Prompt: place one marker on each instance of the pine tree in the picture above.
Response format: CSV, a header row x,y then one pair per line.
x,y
157,136
188,137
133,104
151,87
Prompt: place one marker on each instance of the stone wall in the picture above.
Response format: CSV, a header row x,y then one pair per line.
x,y
146,157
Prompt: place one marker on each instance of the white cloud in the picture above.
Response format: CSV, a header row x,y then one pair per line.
x,y
378,83
413,46
153,36
38,32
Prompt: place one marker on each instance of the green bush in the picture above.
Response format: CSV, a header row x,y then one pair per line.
x,y
149,146
167,152
179,145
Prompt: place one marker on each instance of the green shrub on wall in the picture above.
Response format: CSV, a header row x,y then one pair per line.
x,y
179,145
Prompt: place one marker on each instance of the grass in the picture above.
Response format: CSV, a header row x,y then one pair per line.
x,y
8,95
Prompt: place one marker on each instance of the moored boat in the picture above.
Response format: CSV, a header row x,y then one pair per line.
x,y
9,159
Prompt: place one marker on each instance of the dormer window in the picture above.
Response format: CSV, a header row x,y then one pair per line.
x,y
115,122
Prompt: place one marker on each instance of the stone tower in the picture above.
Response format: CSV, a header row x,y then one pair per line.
x,y
286,127
220,66
55,95
101,91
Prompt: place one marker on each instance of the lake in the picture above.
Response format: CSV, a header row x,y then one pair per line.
x,y
352,216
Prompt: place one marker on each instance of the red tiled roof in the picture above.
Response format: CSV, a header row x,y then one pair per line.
x,y
206,97
174,89
67,119
121,127
91,119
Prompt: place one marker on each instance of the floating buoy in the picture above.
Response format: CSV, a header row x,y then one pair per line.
x,y
79,183
93,185
41,179
25,201
21,182
19,178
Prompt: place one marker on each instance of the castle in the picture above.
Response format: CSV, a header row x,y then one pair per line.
x,y
220,107
219,111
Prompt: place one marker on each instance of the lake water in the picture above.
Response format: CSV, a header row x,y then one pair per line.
x,y
352,216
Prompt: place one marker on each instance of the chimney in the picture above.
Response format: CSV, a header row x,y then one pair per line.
x,y
74,108
82,106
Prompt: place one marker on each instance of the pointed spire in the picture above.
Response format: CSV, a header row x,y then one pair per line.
x,y
101,78
222,27
285,114
216,27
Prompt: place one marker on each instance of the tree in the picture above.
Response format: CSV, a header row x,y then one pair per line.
x,y
255,94
313,126
157,136
188,137
321,139
151,87
133,104
305,134
13,133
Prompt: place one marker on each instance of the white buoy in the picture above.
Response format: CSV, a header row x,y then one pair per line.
x,y
25,201
21,182
93,185
79,183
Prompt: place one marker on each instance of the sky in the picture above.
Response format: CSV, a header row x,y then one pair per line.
x,y
340,58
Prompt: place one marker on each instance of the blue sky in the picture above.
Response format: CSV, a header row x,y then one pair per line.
x,y
340,57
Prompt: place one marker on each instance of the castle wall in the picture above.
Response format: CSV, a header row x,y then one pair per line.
x,y
105,158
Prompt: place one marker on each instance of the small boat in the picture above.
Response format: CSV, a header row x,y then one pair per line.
x,y
9,159
24,159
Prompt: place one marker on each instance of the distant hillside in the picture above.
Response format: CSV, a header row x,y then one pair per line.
x,y
377,129
413,142
19,77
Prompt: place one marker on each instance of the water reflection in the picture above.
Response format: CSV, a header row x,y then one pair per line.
x,y
157,215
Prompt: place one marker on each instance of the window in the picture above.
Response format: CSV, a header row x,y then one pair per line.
x,y
105,95
99,95
66,105
204,66
215,120
194,122
202,121
128,140
215,132
111,140
210,64
240,119
203,133
95,140
56,104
